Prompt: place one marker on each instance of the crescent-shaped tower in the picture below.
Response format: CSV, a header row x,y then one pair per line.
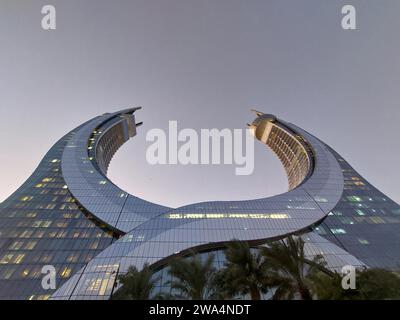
x,y
69,215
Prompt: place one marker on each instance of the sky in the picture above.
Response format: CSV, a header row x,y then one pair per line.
x,y
205,64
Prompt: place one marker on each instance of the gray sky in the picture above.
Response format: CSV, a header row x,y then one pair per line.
x,y
203,63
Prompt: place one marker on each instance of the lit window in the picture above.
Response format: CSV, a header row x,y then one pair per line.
x,y
360,212
377,220
31,214
26,198
354,199
30,245
338,231
24,273
72,258
26,234
66,272
19,258
346,220
320,230
6,258
39,234
16,245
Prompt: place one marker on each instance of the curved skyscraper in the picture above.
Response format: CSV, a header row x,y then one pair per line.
x,y
69,215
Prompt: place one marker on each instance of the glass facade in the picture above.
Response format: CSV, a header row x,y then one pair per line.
x,y
365,222
43,224
70,215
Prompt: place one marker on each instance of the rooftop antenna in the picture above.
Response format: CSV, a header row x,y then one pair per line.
x,y
258,113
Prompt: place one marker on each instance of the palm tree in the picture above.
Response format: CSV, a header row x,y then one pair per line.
x,y
244,272
136,285
371,284
328,286
192,277
287,268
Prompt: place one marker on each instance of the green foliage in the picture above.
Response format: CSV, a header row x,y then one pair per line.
x,y
136,285
288,269
371,284
193,278
280,267
244,272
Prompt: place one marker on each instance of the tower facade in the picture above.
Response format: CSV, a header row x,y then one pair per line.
x,y
69,215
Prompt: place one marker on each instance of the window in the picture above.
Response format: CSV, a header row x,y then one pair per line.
x,y
16,245
360,212
354,199
66,272
30,245
18,259
338,231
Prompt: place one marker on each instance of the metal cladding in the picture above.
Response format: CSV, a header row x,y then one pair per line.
x,y
70,215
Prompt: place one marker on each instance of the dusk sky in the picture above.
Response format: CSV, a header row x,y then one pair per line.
x,y
205,64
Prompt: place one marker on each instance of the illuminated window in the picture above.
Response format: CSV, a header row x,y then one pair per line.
x,y
61,234
52,234
377,220
16,245
354,199
39,234
360,212
24,273
62,224
26,234
19,258
7,258
31,214
36,224
346,220
66,272
73,257
320,230
46,257
30,245
26,198
102,182
338,231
